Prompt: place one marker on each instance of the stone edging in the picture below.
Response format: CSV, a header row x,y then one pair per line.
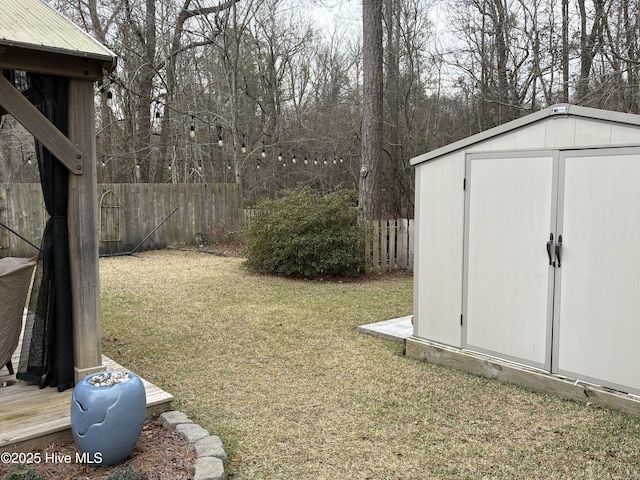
x,y
210,454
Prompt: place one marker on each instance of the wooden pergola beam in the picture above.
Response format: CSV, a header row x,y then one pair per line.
x,y
83,233
14,103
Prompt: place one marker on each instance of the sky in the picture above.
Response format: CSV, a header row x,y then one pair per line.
x,y
330,13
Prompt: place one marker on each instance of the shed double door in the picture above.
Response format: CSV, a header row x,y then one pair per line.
x,y
552,261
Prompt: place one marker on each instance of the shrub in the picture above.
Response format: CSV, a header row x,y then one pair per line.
x,y
22,472
128,474
306,234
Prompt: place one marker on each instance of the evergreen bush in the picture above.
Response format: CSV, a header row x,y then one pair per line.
x,y
306,234
128,474
22,472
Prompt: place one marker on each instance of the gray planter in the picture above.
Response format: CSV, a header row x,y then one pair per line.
x,y
107,415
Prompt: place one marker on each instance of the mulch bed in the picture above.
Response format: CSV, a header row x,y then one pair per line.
x,y
160,452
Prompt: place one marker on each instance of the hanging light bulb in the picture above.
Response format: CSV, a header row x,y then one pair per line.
x,y
264,153
341,159
335,162
220,141
325,160
315,161
243,149
192,128
109,99
137,166
306,162
293,160
104,164
280,154
229,165
169,166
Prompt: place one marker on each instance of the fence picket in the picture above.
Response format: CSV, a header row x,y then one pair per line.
x,y
389,245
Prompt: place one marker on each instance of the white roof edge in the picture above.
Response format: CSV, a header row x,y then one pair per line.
x,y
561,109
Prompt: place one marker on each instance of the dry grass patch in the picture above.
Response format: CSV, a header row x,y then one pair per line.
x,y
276,368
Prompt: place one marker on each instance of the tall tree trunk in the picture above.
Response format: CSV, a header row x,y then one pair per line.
x,y
588,45
391,174
565,51
372,90
147,74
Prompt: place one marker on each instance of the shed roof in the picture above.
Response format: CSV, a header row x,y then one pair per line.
x,y
34,25
562,109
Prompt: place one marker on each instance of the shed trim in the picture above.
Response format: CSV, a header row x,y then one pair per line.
x,y
558,110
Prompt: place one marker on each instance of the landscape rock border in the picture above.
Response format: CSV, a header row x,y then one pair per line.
x,y
210,454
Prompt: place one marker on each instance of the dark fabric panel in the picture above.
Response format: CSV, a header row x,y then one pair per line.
x,y
47,351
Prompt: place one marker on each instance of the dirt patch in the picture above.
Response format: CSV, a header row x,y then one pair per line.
x,y
160,452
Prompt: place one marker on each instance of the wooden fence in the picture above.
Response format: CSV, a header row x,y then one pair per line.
x,y
390,244
128,214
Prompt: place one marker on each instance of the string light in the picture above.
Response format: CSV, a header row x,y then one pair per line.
x,y
192,129
280,154
220,141
243,149
264,153
306,162
258,163
293,160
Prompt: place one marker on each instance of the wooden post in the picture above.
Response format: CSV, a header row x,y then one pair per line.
x,y
83,233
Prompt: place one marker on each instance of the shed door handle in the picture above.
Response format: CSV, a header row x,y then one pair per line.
x,y
549,243
558,249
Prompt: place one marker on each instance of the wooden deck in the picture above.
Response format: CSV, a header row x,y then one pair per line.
x,y
31,418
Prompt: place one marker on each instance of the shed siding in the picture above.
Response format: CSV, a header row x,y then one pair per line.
x,y
439,240
624,135
560,132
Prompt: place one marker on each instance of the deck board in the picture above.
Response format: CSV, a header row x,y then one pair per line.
x,y
32,418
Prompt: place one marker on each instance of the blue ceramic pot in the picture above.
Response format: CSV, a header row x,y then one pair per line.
x,y
106,421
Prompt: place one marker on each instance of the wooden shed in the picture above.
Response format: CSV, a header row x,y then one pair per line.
x,y
527,251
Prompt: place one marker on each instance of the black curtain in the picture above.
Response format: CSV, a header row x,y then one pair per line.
x,y
47,350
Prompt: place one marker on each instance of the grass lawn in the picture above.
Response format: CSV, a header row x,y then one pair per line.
x,y
275,367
